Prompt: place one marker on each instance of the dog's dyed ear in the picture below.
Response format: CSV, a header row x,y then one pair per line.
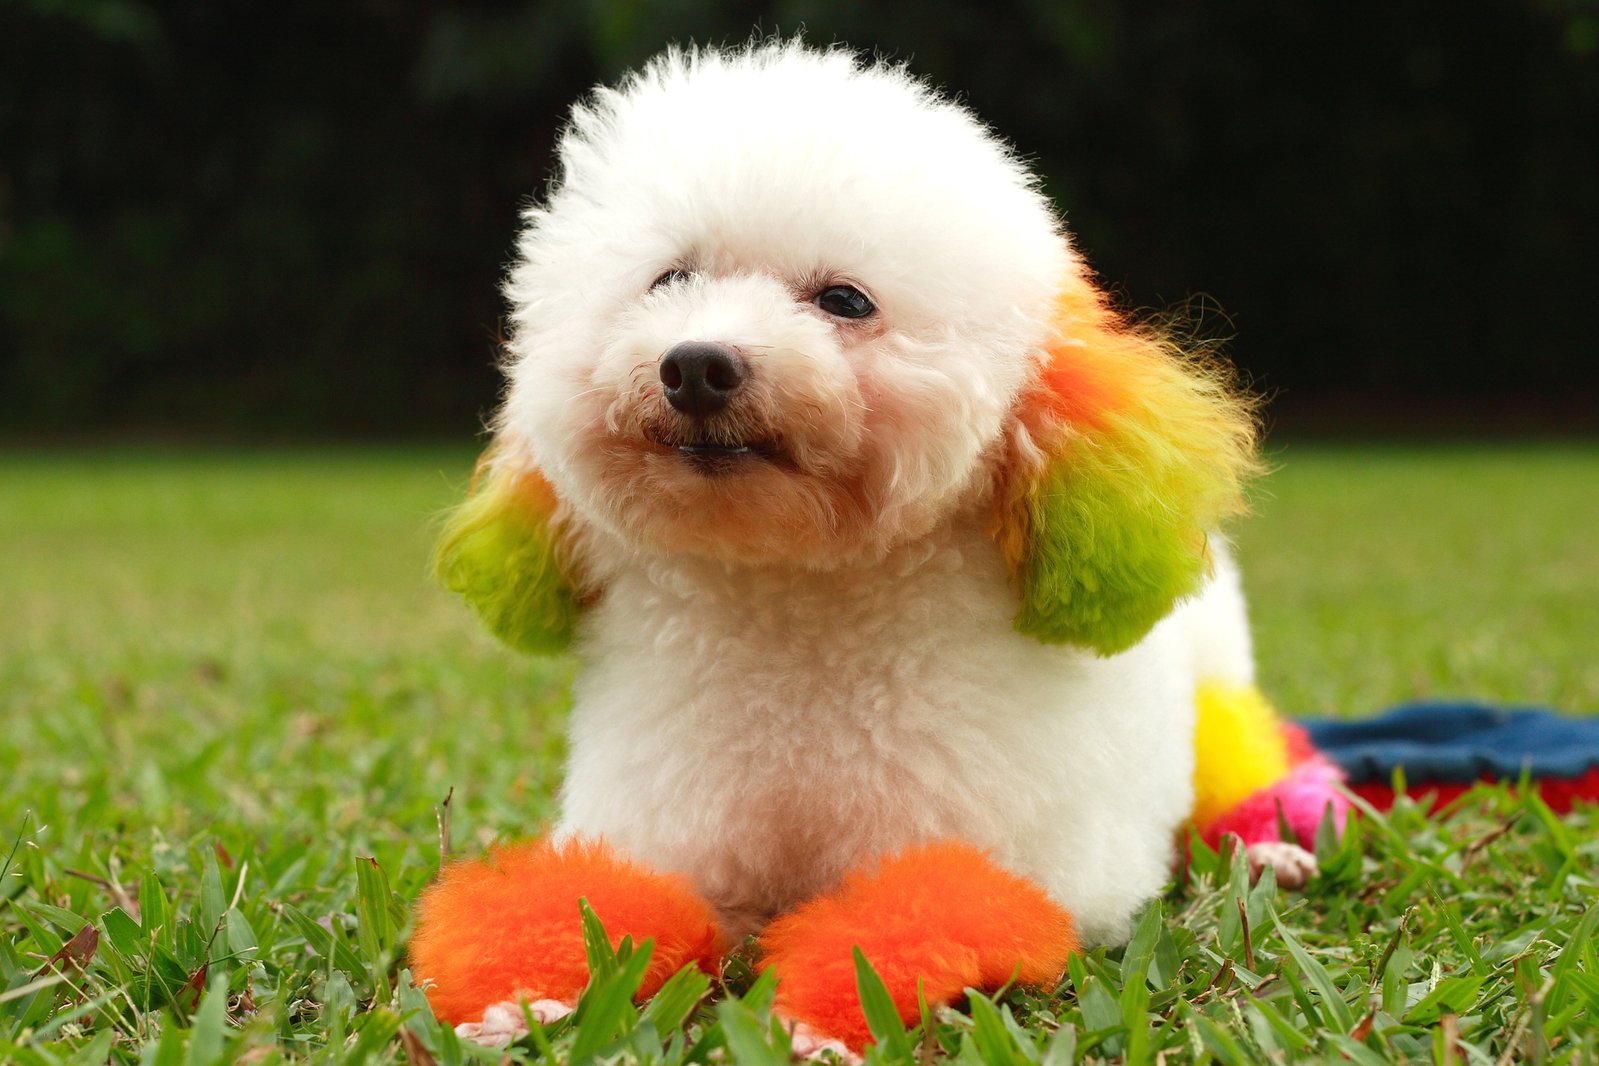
x,y
1126,453
501,550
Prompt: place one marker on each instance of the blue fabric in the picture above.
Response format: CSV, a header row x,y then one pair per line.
x,y
1458,742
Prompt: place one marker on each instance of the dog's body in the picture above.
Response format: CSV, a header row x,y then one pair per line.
x,y
764,730
873,525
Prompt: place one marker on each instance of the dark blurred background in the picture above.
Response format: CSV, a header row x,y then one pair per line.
x,y
222,220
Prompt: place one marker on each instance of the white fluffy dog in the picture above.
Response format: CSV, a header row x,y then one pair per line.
x,y
871,523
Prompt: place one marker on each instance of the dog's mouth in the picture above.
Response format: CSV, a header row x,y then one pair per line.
x,y
713,453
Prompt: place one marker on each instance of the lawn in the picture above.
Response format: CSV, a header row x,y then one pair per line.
x,y
233,703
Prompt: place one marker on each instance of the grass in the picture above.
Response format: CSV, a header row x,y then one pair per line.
x,y
233,704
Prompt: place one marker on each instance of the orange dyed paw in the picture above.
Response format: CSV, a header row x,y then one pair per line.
x,y
940,914
506,927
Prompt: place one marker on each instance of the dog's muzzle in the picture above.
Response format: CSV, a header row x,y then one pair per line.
x,y
702,380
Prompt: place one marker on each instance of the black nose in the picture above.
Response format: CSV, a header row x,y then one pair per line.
x,y
701,376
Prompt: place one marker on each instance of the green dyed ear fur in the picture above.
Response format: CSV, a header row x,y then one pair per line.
x,y
499,552
1129,453
1106,556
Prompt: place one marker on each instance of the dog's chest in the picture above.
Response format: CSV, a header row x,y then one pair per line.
x,y
853,664
764,733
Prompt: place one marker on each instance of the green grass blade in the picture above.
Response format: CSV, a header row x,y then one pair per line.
x,y
1452,995
1290,1036
1062,1050
123,934
762,992
882,1017
747,1038
170,1048
1332,999
213,901
326,944
1101,1010
38,984
596,944
155,912
670,1007
210,1026
1577,941
996,1043
1139,955
243,944
606,1012
374,932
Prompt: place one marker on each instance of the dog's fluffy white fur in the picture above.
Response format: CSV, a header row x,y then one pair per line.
x,y
800,660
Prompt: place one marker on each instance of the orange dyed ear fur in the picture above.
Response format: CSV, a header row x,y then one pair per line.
x,y
1126,454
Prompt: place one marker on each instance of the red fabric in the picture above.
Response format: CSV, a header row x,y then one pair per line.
x,y
941,914
1559,792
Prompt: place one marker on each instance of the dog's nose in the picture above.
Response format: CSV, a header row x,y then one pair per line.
x,y
701,376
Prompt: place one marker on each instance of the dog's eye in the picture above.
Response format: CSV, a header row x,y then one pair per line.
x,y
845,301
671,277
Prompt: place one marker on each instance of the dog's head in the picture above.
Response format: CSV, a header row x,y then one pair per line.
x,y
785,308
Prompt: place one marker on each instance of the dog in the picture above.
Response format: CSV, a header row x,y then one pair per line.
x,y
890,550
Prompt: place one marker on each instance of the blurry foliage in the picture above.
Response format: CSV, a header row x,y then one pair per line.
x,y
280,219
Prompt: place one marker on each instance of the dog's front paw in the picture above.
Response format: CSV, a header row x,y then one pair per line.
x,y
505,1023
1292,864
933,920
809,1042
